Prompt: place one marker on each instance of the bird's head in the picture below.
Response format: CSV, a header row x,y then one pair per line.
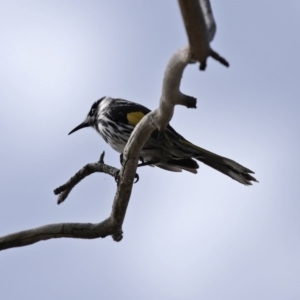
x,y
91,118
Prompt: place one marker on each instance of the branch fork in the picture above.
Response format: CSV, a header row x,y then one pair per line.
x,y
200,26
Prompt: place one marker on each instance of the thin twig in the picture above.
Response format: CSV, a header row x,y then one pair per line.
x,y
64,190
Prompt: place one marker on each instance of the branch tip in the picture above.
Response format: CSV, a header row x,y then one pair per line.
x,y
202,66
101,159
63,196
64,190
189,101
219,58
117,237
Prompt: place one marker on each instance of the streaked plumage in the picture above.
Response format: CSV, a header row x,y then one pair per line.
x,y
114,120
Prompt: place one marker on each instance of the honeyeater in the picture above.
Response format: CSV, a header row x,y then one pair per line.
x,y
114,119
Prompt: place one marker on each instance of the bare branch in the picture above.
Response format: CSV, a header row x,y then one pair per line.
x,y
64,190
200,27
159,118
67,230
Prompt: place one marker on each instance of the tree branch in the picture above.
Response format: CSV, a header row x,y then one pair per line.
x,y
158,118
200,28
67,230
64,190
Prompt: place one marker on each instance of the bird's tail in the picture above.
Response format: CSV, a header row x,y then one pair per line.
x,y
223,165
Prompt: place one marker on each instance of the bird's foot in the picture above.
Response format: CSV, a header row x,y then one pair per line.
x,y
117,177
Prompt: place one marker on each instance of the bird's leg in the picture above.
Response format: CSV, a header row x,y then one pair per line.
x,y
146,163
142,164
121,159
136,176
117,177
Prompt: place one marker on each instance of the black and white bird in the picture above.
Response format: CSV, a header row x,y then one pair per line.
x,y
115,119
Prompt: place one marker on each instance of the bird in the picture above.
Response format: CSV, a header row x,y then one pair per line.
x,y
114,119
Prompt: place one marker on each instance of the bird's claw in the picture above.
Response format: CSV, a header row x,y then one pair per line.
x,y
117,177
136,177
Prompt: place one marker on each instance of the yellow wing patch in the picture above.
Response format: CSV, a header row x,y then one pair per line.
x,y
134,117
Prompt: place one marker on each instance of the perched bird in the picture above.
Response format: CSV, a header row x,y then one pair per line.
x,y
115,119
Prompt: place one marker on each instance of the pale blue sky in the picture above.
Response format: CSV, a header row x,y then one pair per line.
x,y
186,236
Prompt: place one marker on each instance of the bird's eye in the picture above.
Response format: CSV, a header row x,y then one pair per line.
x,y
92,111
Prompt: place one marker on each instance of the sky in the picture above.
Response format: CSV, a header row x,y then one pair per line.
x,y
186,236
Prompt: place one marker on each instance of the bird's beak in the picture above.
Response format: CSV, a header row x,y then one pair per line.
x,y
84,124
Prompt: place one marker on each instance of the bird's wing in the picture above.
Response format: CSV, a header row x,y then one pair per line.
x,y
128,112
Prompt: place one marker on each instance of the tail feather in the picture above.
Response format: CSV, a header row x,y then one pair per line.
x,y
174,168
230,168
223,165
187,164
